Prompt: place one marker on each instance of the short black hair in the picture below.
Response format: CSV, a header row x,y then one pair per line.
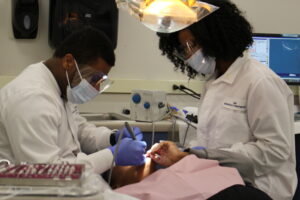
x,y
87,45
224,34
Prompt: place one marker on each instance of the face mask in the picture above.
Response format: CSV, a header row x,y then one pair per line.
x,y
81,93
201,64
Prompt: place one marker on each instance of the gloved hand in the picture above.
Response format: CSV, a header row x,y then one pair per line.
x,y
136,130
198,148
131,152
165,153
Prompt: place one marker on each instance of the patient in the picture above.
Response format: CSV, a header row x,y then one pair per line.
x,y
134,174
125,175
167,154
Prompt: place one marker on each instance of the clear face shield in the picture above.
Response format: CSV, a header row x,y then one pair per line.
x,y
184,52
98,80
192,55
167,16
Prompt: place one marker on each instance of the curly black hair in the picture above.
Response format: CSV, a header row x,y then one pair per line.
x,y
87,45
224,34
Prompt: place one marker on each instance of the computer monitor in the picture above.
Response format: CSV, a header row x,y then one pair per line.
x,y
280,52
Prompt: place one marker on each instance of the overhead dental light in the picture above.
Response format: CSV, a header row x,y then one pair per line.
x,y
167,16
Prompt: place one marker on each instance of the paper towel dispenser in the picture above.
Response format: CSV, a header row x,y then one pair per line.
x,y
25,15
67,16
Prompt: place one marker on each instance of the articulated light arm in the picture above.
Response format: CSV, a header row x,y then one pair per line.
x,y
167,16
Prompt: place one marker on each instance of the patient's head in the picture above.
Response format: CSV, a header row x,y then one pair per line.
x,y
164,154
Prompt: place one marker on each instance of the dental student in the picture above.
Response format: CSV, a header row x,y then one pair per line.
x,y
39,119
245,107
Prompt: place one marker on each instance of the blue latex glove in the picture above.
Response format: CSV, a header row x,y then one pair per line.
x,y
131,152
136,130
198,148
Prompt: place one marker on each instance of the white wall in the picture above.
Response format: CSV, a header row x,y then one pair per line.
x,y
272,16
15,55
137,53
138,56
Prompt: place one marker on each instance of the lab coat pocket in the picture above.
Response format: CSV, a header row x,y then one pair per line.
x,y
232,123
235,104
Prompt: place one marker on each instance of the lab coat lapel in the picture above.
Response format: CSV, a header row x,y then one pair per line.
x,y
70,109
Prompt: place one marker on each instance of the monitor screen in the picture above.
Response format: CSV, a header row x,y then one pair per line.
x,y
280,52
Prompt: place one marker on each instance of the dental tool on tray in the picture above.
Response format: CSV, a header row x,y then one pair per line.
x,y
41,174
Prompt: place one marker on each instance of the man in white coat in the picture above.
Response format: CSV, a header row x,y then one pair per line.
x,y
39,120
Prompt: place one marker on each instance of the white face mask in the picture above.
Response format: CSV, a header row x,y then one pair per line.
x,y
81,93
201,64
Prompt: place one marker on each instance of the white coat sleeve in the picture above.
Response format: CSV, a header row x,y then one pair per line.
x,y
32,124
92,138
270,117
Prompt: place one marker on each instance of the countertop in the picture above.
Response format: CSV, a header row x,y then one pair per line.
x,y
163,126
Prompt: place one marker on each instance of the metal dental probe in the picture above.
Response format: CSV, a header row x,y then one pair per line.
x,y
128,127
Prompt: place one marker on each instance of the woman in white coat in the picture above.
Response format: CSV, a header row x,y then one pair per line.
x,y
245,107
39,119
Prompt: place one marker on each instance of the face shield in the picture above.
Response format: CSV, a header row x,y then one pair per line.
x,y
97,79
192,55
184,52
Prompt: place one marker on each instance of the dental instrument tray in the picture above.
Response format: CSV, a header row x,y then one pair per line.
x,y
41,174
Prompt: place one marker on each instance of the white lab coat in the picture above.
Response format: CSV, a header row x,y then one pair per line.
x,y
249,110
37,125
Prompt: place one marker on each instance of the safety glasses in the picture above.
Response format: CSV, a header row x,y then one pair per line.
x,y
184,52
97,79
